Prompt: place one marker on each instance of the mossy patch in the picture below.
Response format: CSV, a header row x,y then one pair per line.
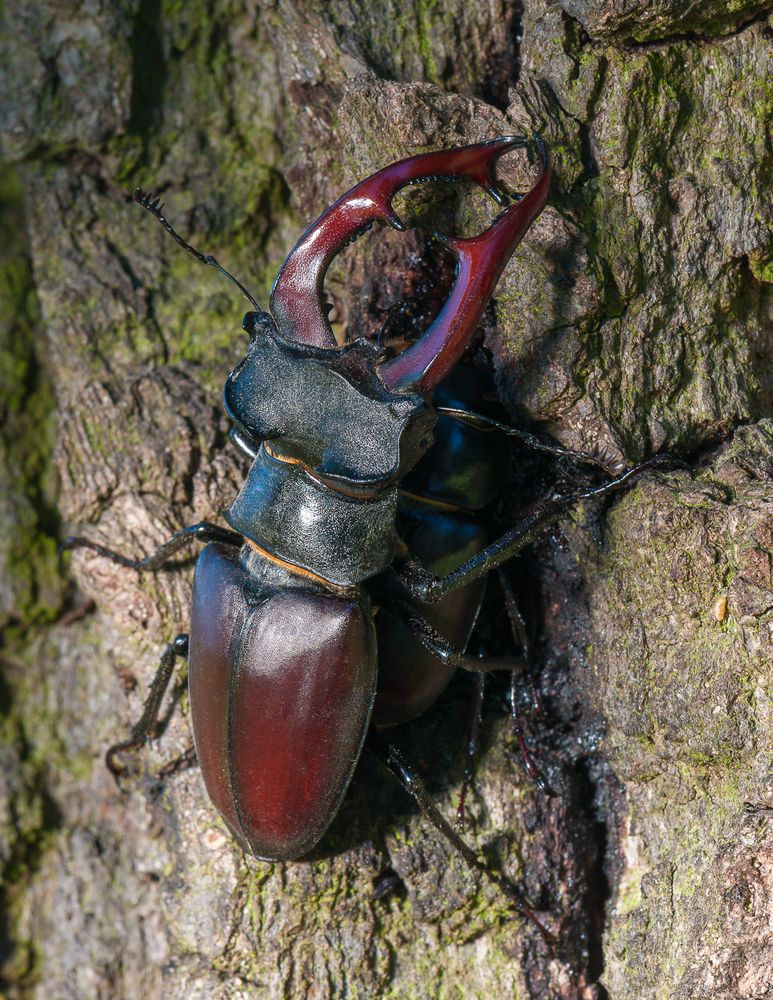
x,y
33,590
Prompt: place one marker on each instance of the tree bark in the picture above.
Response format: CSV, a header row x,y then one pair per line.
x,y
634,318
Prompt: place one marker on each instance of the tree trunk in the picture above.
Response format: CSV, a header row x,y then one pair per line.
x,y
634,318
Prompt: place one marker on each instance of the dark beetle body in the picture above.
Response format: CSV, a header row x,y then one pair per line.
x,y
352,558
284,673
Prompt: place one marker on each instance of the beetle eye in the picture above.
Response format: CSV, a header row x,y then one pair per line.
x,y
258,324
249,324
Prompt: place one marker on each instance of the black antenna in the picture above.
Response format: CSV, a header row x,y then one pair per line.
x,y
155,206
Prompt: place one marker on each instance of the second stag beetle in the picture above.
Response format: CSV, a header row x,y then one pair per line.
x,y
287,669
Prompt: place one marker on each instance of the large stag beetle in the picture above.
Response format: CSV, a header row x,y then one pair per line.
x,y
288,670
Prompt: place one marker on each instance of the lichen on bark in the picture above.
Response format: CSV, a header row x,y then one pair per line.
x,y
635,317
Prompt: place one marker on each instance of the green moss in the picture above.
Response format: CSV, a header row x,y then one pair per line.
x,y
645,121
29,835
761,267
425,10
26,435
398,41
683,717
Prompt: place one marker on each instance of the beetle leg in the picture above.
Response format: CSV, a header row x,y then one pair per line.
x,y
482,422
142,729
394,761
182,762
439,646
471,749
204,531
427,588
518,627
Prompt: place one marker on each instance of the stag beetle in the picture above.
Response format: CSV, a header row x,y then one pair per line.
x,y
286,672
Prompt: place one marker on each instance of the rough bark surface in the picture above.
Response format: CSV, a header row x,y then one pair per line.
x,y
635,317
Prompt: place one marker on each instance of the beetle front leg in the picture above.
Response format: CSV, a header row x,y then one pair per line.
x,y
142,729
427,588
481,422
203,531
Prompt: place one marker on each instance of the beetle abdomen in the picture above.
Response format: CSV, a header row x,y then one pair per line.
x,y
282,686
410,677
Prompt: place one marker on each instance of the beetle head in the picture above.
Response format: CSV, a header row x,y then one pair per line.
x,y
326,408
